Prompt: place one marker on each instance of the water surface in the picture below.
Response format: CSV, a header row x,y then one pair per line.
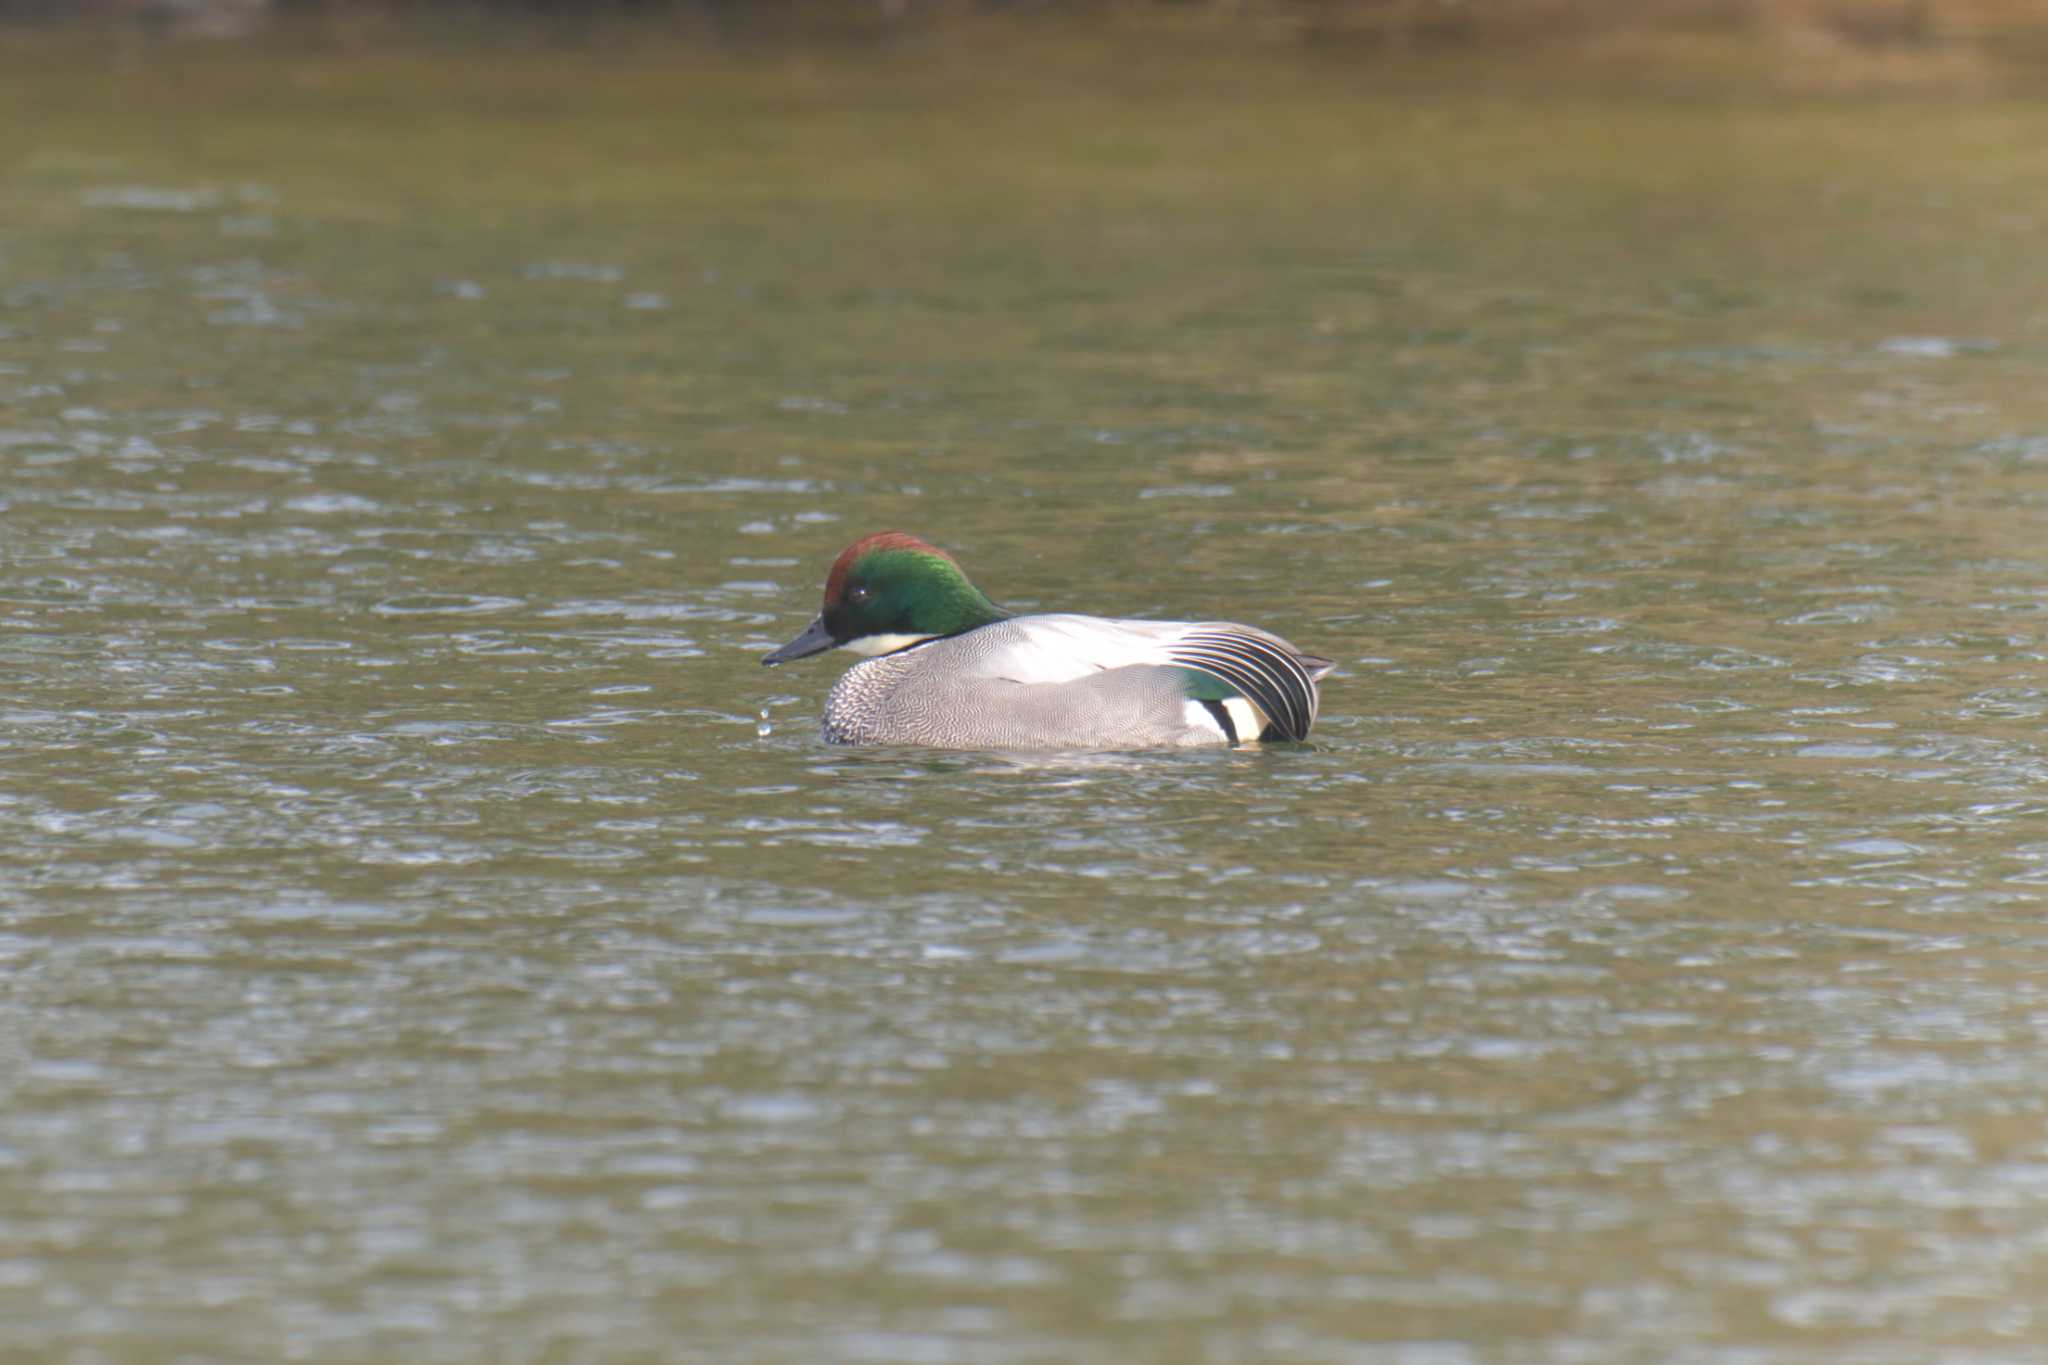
x,y
429,934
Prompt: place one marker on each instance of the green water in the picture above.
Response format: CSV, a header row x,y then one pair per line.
x,y
429,935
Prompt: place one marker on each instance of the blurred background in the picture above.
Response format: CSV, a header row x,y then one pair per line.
x,y
1941,42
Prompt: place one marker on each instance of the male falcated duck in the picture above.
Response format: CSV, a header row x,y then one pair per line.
x,y
949,669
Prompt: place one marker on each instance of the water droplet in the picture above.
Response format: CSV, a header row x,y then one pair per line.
x,y
764,729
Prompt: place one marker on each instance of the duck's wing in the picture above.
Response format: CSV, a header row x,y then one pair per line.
x,y
1278,680
1263,669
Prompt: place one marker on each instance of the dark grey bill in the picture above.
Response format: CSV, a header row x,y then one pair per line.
x,y
815,640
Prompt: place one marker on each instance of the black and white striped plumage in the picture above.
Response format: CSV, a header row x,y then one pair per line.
x,y
1263,669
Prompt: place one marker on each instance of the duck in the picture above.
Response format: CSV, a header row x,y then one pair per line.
x,y
944,667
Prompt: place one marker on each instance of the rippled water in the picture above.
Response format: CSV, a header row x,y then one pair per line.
x,y
429,935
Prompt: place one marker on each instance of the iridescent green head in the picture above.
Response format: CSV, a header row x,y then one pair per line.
x,y
889,591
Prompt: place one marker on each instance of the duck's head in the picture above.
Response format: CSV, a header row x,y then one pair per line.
x,y
889,591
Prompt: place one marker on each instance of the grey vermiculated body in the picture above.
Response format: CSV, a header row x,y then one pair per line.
x,y
974,691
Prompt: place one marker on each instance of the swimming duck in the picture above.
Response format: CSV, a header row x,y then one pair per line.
x,y
949,669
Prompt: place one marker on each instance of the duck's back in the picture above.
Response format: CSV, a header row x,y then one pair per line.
x,y
1032,682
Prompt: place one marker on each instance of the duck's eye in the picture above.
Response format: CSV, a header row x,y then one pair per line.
x,y
859,594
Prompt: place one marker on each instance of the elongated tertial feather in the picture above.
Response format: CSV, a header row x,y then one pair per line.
x,y
1262,670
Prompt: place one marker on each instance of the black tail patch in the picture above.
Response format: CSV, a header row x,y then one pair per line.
x,y
1222,715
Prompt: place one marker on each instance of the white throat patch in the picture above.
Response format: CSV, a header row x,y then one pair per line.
x,y
871,645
